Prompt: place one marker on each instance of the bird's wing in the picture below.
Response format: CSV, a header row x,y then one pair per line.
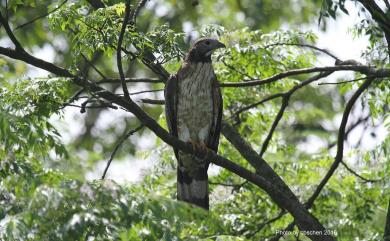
x,y
170,94
215,130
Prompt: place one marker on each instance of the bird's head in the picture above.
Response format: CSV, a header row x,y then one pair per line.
x,y
202,49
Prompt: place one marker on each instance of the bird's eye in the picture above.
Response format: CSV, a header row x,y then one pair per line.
x,y
207,42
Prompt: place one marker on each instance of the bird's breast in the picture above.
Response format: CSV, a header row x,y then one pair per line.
x,y
195,102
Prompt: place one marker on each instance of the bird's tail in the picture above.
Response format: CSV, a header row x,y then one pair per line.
x,y
192,183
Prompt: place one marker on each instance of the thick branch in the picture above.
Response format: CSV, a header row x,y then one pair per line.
x,y
264,170
10,34
96,4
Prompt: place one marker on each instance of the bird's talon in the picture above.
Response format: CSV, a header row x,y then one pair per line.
x,y
199,147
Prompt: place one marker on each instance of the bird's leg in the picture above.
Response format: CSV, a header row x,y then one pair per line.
x,y
198,147
203,148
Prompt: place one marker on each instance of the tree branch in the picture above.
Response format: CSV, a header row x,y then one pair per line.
x,y
96,4
39,17
357,175
137,10
286,98
340,141
248,107
386,234
307,46
119,50
10,34
125,137
364,69
265,171
275,124
131,80
92,66
153,102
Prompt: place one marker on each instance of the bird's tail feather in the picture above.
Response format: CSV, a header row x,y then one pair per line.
x,y
192,185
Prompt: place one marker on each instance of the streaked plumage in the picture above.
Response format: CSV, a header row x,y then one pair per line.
x,y
194,111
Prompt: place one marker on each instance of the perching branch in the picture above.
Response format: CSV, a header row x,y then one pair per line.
x,y
125,137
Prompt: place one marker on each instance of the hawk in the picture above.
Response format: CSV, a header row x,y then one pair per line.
x,y
194,110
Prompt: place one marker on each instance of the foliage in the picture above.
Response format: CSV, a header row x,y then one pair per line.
x,y
41,204
43,191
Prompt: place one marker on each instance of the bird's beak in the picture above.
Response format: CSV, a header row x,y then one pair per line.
x,y
218,45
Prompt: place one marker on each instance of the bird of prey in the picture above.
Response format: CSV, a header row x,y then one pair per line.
x,y
194,110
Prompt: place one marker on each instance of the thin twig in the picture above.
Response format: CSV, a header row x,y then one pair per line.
x,y
357,175
340,141
275,124
248,107
152,102
290,227
119,145
262,225
307,46
93,66
364,69
119,50
285,100
73,98
236,70
131,80
39,17
137,10
146,91
343,82
226,184
350,129
93,106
